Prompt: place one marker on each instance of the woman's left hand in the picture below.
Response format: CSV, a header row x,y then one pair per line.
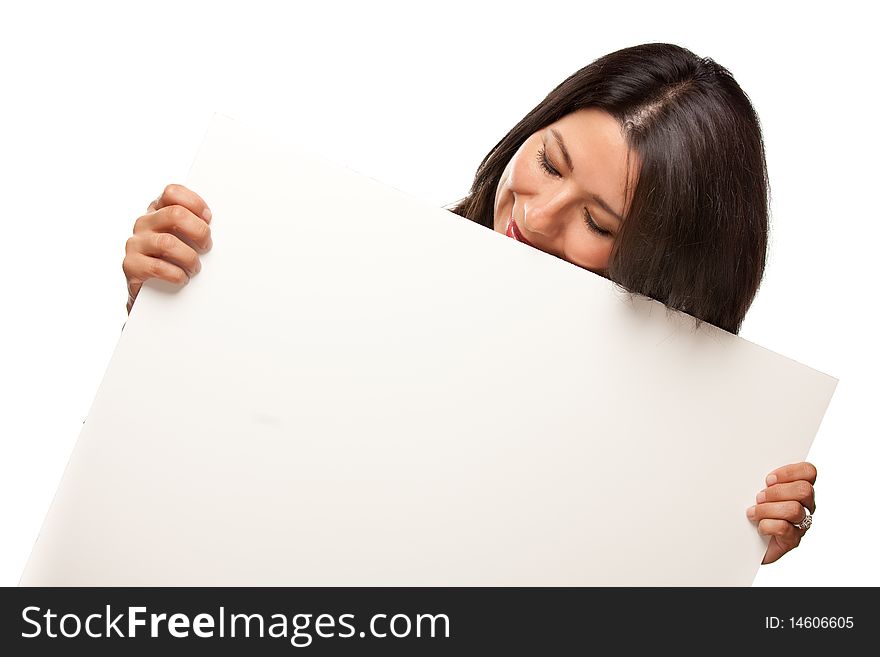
x,y
781,505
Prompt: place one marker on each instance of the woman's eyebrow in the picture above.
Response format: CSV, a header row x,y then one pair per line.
x,y
562,148
598,199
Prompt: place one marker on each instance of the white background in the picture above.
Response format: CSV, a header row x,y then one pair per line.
x,y
104,104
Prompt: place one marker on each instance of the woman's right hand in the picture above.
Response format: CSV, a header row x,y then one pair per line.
x,y
167,240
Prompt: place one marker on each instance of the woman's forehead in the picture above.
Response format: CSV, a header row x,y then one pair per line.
x,y
598,150
592,133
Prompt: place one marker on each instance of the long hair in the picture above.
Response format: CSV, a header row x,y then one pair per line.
x,y
695,233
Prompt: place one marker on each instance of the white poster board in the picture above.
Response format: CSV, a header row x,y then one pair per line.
x,y
362,389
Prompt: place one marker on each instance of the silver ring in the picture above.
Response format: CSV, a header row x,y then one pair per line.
x,y
806,522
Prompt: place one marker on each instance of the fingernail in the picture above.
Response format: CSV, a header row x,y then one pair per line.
x,y
210,244
761,497
750,512
207,215
771,479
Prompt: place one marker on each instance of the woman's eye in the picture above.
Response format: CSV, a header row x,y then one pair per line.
x,y
588,219
545,163
592,225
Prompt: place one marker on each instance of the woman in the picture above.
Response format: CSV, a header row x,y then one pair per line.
x,y
646,167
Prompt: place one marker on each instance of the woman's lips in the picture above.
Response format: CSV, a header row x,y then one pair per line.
x,y
513,231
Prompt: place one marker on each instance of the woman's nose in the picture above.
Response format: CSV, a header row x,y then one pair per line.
x,y
544,217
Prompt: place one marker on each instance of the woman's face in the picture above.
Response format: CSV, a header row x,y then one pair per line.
x,y
570,207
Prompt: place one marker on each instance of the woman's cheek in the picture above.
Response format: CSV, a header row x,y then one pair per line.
x,y
586,250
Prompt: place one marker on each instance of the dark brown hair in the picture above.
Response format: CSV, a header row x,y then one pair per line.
x,y
695,233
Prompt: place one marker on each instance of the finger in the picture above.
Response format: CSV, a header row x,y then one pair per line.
x,y
166,246
792,472
139,268
179,195
179,221
784,531
799,491
792,512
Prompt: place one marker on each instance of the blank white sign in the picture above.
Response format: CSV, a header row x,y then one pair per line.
x,y
362,389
